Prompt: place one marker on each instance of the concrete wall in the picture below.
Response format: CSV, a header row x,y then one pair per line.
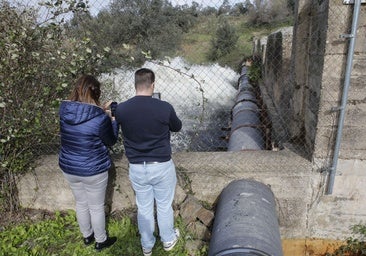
x,y
315,82
304,70
203,175
332,81
303,211
276,82
348,197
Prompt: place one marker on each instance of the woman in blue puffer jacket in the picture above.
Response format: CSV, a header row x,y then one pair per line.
x,y
86,132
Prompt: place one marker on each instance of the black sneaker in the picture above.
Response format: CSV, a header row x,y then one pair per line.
x,y
108,242
89,240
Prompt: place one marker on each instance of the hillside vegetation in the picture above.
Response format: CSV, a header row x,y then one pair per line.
x,y
196,44
136,30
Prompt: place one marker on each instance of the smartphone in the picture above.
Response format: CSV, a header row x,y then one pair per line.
x,y
156,95
113,107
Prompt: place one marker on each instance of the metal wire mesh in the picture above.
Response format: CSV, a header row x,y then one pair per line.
x,y
204,95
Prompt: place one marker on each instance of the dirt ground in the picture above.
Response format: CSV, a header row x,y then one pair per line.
x,y
22,216
309,247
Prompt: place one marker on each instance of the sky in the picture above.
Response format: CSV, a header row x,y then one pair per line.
x,y
215,3
206,2
96,5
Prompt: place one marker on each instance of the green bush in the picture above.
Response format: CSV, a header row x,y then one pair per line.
x,y
255,70
224,40
355,245
37,66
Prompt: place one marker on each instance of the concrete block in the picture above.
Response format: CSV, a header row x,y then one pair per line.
x,y
189,209
199,230
179,196
205,216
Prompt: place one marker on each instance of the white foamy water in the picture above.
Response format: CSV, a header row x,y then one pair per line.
x,y
201,95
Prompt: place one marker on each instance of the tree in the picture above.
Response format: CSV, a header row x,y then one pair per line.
x,y
37,65
291,4
208,10
142,25
266,12
224,8
238,9
224,41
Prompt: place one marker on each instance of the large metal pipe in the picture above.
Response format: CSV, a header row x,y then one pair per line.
x,y
243,80
246,221
246,138
246,128
245,105
246,132
246,96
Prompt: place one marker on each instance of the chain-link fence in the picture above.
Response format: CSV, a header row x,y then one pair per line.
x,y
298,84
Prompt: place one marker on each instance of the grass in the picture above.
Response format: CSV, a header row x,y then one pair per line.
x,y
197,42
195,48
60,236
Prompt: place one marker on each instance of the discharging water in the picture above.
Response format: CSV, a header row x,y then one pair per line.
x,y
201,95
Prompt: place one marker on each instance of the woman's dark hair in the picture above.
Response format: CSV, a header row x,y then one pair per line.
x,y
87,89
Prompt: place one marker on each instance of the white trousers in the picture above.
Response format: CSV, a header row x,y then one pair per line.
x,y
89,193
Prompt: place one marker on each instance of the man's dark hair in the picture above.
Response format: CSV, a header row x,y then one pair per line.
x,y
144,77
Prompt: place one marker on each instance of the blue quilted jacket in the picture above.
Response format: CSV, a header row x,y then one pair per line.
x,y
86,132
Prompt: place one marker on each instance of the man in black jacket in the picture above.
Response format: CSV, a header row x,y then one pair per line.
x,y
146,123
